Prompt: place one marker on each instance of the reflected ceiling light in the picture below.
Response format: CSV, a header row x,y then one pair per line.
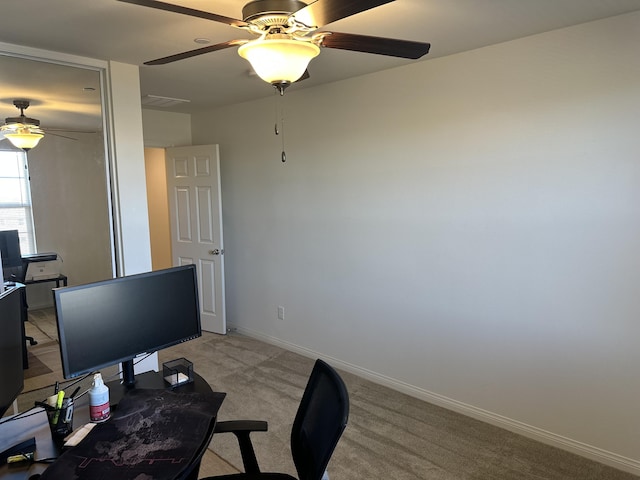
x,y
279,59
22,132
24,139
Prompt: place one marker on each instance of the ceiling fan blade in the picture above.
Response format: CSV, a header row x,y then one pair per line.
x,y
323,12
54,130
188,11
304,76
378,45
196,52
61,136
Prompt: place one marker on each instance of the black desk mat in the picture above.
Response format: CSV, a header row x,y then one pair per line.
x,y
152,435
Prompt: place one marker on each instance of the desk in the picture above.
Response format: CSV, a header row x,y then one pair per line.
x,y
58,280
112,447
12,433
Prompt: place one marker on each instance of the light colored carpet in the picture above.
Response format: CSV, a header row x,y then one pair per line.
x,y
36,367
390,435
46,352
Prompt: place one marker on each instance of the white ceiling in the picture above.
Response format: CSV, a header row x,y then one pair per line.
x,y
112,30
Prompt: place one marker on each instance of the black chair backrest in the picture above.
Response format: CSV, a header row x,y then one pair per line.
x,y
321,418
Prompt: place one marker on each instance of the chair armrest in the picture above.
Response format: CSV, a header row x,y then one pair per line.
x,y
240,426
242,429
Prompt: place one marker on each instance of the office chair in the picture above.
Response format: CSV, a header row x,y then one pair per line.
x,y
16,274
20,279
319,423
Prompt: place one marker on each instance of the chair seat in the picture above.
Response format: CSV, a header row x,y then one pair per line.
x,y
254,476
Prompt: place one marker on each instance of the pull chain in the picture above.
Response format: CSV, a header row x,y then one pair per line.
x,y
275,115
278,131
284,155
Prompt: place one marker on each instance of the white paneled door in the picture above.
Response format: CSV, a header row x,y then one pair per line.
x,y
195,212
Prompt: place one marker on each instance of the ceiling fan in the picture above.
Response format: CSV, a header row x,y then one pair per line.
x,y
288,36
24,132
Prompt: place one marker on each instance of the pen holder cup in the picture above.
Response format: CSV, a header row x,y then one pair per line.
x,y
61,420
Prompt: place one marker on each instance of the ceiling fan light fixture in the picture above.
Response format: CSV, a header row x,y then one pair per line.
x,y
23,138
279,60
22,132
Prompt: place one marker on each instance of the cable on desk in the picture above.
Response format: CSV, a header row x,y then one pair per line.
x,y
20,415
112,377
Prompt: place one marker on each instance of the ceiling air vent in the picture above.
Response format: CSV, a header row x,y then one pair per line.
x,y
163,102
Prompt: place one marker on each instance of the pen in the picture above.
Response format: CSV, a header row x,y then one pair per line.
x,y
75,392
56,388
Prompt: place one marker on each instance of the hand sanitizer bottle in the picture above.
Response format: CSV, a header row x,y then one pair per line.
x,y
99,409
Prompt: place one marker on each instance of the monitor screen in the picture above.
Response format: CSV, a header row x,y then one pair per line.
x,y
10,253
11,340
104,323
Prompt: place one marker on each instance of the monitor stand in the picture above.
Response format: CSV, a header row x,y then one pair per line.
x,y
146,380
155,380
128,373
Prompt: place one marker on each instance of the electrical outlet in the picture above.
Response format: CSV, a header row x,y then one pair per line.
x,y
280,313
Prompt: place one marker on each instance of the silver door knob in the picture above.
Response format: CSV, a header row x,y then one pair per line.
x,y
214,252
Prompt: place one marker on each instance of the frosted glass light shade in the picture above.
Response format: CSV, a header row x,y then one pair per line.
x,y
278,60
25,141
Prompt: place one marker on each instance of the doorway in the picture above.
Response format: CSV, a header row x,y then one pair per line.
x,y
186,224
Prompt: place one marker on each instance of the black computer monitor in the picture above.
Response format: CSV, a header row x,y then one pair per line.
x,y
11,344
104,323
10,253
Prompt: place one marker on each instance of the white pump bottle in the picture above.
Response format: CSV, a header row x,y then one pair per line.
x,y
99,409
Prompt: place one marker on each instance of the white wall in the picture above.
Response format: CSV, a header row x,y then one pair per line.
x,y
130,197
463,228
158,201
71,209
166,129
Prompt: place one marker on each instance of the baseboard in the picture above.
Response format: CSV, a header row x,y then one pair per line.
x,y
593,453
40,306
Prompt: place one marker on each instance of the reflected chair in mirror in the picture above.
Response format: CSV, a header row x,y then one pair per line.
x,y
318,425
13,268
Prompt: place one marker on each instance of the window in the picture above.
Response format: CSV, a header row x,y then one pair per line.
x,y
15,198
